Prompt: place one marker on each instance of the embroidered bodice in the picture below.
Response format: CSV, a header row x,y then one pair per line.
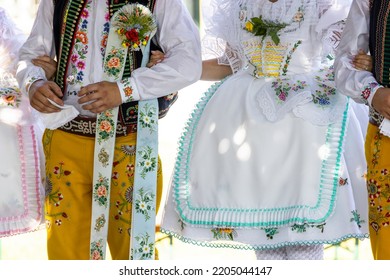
x,y
305,40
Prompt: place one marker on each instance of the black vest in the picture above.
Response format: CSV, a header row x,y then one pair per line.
x,y
379,43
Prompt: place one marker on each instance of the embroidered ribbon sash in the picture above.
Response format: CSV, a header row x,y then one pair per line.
x,y
142,243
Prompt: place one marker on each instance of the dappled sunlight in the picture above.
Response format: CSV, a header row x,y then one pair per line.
x,y
239,136
244,152
237,144
212,128
324,152
224,146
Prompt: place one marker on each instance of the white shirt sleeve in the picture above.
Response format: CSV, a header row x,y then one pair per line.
x,y
178,37
359,85
39,42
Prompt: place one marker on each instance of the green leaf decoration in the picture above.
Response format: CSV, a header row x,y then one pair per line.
x,y
260,27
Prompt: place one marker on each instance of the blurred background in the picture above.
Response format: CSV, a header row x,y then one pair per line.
x,y
32,246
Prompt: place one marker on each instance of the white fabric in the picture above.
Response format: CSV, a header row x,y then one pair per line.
x,y
219,31
176,35
21,200
55,120
259,160
245,47
21,164
349,80
385,127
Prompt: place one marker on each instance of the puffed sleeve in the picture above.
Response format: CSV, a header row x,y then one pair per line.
x,y
39,42
359,85
178,36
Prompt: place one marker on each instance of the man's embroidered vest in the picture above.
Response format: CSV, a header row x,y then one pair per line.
x,y
66,17
380,46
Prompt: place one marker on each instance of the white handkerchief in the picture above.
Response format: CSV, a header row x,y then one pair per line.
x,y
55,120
385,127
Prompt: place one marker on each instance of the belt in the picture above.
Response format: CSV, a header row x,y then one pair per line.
x,y
85,126
373,122
375,118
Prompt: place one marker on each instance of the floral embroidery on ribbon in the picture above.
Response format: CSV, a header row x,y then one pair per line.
x,y
144,203
114,62
101,191
97,250
106,124
145,248
146,117
147,162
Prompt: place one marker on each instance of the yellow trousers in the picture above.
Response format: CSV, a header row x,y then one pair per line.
x,y
68,205
377,149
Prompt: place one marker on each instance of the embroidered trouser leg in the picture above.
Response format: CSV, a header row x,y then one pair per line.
x,y
377,149
69,170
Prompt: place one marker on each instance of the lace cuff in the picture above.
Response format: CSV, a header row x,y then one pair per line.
x,y
331,39
232,59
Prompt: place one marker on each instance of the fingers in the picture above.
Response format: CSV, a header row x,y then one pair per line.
x,y
42,63
40,92
363,62
155,58
45,58
44,106
48,64
86,93
100,97
97,106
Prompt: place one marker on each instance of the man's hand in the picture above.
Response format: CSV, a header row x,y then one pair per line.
x,y
363,61
381,102
39,93
155,58
48,64
100,97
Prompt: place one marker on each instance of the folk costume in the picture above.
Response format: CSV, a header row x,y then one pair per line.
x,y
21,199
271,159
81,29
366,30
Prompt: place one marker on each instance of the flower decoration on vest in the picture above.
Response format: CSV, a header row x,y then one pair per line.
x,y
260,27
136,25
